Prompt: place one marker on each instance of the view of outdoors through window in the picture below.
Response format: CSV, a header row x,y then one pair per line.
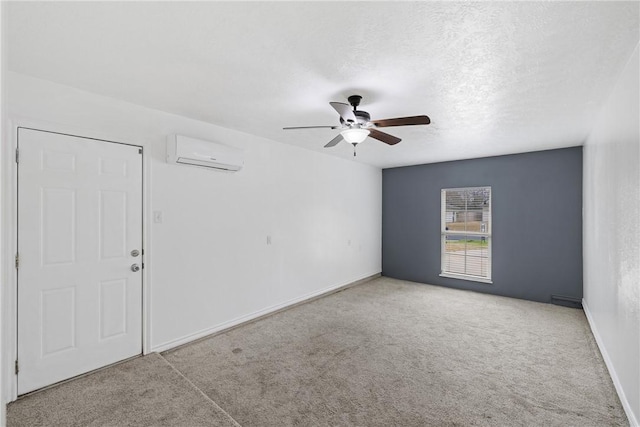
x,y
466,232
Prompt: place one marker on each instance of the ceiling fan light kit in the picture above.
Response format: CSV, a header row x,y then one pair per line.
x,y
356,124
355,136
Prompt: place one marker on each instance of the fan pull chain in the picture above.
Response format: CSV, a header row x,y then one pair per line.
x,y
354,149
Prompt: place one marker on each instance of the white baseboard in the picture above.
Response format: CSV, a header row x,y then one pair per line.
x,y
257,314
633,421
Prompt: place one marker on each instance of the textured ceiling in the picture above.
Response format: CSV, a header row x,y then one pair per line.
x,y
495,78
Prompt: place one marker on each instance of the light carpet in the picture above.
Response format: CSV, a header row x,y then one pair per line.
x,y
394,353
384,353
145,391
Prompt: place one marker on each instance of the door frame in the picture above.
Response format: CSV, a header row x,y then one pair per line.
x,y
9,296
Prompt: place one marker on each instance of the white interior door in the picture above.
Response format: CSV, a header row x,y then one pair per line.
x,y
79,219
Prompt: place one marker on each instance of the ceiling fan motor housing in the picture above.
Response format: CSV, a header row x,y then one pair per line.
x,y
362,116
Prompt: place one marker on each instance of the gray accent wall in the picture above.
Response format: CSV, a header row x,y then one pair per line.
x,y
536,219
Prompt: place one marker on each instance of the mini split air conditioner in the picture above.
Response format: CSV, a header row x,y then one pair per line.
x,y
191,151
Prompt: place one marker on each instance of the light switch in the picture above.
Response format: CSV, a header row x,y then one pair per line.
x,y
268,240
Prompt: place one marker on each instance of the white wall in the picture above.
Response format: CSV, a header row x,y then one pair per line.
x,y
3,276
208,262
612,235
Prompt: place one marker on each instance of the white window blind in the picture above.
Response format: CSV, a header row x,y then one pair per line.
x,y
466,233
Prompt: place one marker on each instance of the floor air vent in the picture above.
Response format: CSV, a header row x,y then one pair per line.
x,y
566,301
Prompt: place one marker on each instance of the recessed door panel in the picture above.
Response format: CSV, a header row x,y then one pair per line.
x,y
111,166
113,308
56,161
58,320
79,218
113,224
58,222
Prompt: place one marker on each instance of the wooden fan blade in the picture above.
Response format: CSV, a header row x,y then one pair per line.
x,y
345,111
311,127
402,121
384,137
334,141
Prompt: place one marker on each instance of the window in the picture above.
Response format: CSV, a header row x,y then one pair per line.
x,y
466,233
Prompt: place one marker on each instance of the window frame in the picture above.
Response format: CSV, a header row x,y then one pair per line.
x,y
444,233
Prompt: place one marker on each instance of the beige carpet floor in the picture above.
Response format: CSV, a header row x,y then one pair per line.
x,y
145,391
385,353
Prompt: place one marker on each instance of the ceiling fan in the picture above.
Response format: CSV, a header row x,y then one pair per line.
x,y
356,124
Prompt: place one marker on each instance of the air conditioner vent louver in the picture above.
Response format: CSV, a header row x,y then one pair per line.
x,y
196,152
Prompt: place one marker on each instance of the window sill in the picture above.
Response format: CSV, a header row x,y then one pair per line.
x,y
466,277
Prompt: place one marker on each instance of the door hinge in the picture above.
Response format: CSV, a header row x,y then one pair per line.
x,y
17,261
143,265
17,367
139,150
17,155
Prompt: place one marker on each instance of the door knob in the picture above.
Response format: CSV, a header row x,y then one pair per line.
x,y
135,267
